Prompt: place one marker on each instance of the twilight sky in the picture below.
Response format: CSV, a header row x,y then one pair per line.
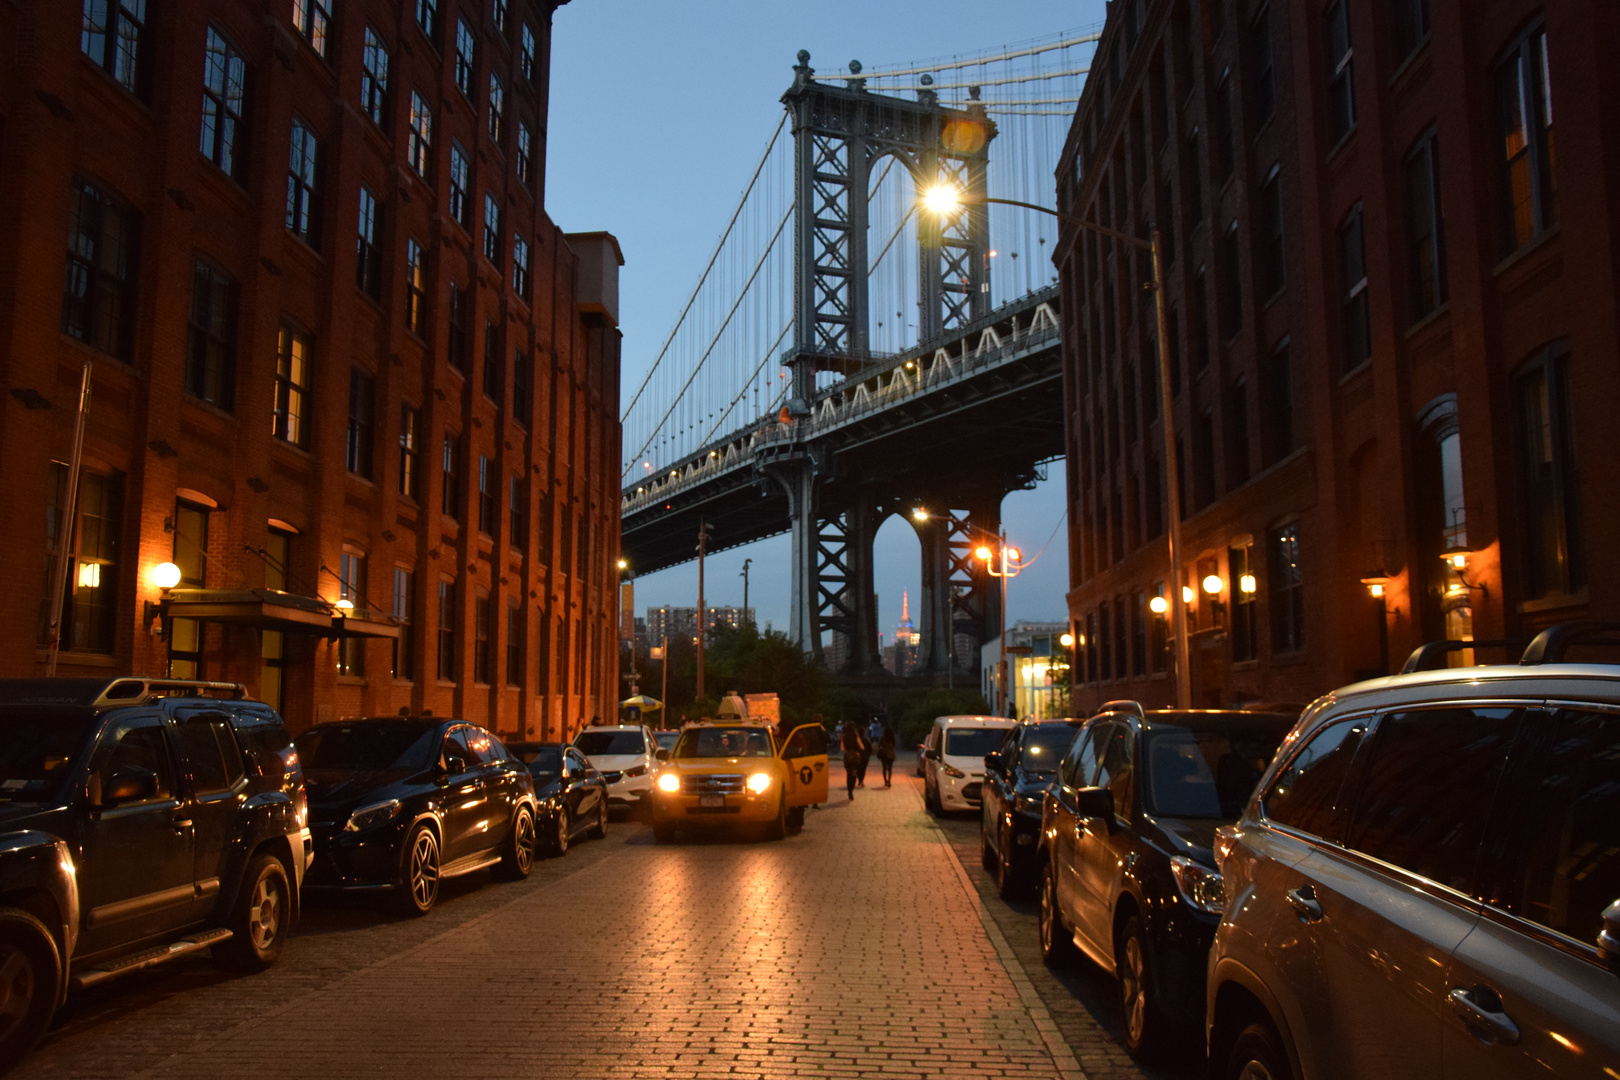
x,y
658,114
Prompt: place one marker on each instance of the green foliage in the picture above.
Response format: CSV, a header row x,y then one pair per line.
x,y
912,712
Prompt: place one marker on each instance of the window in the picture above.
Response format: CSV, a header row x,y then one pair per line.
x,y
447,631
1341,86
1556,867
526,53
368,247
209,750
464,58
460,190
494,377
303,185
514,644
1203,459
415,289
525,156
1240,575
1426,228
481,615
1222,119
190,550
1198,302
311,19
457,350
492,230
1139,622
427,17
374,78
1262,90
450,499
292,386
420,147
362,411
497,109
1277,391
1549,477
1287,588
351,652
522,387
224,100
1273,270
1410,21
1231,283
410,450
1191,184
1306,791
211,338
520,266
404,659
1417,803
90,593
1524,96
489,496
1357,328
114,36
499,16
517,513
1237,434
98,299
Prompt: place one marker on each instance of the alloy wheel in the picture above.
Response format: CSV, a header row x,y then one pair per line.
x,y
561,843
1133,989
424,879
264,913
1255,1070
523,841
19,988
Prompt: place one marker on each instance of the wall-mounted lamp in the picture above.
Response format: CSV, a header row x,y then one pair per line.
x,y
1067,641
1158,605
344,606
1456,559
1213,584
165,575
1246,584
1187,594
1375,582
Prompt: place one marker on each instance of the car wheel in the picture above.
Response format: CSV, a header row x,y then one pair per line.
x,y
518,858
777,829
30,982
1257,1055
258,920
931,799
559,833
987,854
1138,996
418,886
1057,947
599,827
663,832
1006,882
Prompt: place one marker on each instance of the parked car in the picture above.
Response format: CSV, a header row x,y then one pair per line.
x,y
953,759
399,803
571,796
1016,776
140,820
1127,869
1426,882
626,756
730,773
922,757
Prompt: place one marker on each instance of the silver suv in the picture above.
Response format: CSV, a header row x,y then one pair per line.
x,y
1425,881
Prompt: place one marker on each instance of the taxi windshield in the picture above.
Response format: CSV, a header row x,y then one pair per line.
x,y
713,742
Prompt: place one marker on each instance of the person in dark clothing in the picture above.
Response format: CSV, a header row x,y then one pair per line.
x,y
885,755
852,743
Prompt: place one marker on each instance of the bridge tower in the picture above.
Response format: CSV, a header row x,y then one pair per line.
x,y
840,133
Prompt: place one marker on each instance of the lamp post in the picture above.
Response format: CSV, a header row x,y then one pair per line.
x,y
1010,566
746,564
945,198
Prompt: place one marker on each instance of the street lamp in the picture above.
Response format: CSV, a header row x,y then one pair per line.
x,y
946,199
1010,567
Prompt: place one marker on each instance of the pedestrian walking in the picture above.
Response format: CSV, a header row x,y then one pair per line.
x,y
869,739
851,742
885,754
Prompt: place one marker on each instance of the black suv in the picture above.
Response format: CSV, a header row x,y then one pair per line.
x,y
1016,777
140,820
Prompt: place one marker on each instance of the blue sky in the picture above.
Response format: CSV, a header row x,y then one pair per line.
x,y
658,114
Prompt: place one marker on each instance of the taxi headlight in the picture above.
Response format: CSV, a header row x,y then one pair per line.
x,y
669,782
758,782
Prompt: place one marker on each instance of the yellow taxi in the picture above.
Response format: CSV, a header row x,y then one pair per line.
x,y
734,771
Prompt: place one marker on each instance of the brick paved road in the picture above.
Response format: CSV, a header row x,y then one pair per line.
x,y
860,947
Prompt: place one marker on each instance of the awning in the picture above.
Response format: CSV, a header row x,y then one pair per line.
x,y
270,609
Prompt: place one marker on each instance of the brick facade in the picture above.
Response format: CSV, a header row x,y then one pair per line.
x,y
1346,409
312,459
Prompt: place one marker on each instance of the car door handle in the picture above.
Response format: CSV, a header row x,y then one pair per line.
x,y
180,824
1484,1018
1303,901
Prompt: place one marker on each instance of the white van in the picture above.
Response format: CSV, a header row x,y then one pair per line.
x,y
953,759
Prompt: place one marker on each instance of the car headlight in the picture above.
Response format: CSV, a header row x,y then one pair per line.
x,y
1200,886
952,771
758,782
368,816
636,770
669,782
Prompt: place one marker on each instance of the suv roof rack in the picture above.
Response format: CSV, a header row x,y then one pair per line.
x,y
1123,705
1431,656
135,690
1550,645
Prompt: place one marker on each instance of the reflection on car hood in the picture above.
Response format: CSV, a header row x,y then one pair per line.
x,y
617,762
340,788
1032,781
734,764
1192,837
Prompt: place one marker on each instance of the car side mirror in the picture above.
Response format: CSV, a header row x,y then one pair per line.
x,y
1609,936
992,761
131,783
1094,802
661,754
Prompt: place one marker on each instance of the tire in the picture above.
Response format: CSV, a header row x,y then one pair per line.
x,y
599,826
777,829
31,974
1257,1055
1008,886
418,887
518,857
259,918
930,800
663,832
1057,947
795,819
558,844
1144,1023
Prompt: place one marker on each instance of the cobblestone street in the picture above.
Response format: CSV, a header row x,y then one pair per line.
x,y
859,947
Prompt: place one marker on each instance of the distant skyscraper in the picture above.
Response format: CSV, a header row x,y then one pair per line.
x,y
901,658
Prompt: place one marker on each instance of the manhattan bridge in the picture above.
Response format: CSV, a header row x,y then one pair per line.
x,y
846,354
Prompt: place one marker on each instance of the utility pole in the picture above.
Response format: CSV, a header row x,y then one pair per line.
x,y
702,627
746,564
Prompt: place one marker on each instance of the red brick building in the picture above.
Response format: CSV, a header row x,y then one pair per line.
x,y
1392,311
347,376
